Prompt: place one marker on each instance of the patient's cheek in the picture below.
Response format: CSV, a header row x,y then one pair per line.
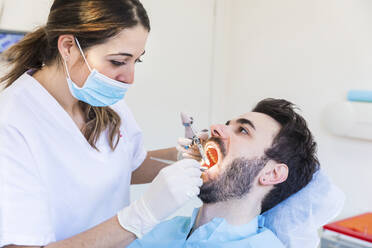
x,y
210,174
204,176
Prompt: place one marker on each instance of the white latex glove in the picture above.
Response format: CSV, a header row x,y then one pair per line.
x,y
187,150
171,189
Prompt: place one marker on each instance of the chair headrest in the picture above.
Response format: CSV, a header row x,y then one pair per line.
x,y
297,219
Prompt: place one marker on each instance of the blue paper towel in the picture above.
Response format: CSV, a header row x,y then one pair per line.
x,y
359,95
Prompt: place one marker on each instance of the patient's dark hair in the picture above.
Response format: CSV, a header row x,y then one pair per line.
x,y
293,145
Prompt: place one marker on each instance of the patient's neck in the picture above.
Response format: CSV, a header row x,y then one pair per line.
x,y
235,212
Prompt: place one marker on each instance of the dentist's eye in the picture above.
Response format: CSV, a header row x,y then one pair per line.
x,y
243,130
117,63
139,60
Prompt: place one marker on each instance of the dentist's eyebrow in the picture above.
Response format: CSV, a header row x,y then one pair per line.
x,y
245,121
125,54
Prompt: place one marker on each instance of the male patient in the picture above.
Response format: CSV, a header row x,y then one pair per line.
x,y
260,158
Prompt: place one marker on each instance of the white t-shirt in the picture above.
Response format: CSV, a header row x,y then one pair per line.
x,y
53,184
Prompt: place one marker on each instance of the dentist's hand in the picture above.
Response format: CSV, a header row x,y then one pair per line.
x,y
170,190
185,147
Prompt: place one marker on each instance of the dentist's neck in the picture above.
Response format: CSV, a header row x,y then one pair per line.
x,y
53,79
236,212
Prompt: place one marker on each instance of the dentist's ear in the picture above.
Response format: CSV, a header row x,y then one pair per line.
x,y
273,173
65,44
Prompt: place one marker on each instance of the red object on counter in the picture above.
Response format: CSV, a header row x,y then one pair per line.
x,y
358,227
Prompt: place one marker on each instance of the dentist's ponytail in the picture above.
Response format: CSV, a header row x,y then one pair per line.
x,y
27,54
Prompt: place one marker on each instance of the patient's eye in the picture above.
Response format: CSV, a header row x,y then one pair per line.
x,y
243,130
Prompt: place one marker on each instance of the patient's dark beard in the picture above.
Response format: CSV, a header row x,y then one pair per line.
x,y
234,183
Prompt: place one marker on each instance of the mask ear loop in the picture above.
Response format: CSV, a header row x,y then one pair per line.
x,y
81,51
68,74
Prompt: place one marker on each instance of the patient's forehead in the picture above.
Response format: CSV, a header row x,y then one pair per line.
x,y
265,126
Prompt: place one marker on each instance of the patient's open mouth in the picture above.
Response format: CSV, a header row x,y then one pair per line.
x,y
212,154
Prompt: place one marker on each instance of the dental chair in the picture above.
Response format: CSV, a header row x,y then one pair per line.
x,y
296,220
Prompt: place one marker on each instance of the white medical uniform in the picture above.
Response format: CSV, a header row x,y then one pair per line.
x,y
53,184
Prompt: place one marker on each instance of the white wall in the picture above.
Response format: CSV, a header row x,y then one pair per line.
x,y
312,53
23,15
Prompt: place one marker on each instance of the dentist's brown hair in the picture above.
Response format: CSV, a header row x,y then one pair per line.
x,y
92,22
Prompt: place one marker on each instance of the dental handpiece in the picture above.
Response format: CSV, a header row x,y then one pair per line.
x,y
191,134
196,140
201,150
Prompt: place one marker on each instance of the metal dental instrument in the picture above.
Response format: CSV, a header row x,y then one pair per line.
x,y
190,131
166,161
200,147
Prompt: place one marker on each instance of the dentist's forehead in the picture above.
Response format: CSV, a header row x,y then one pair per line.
x,y
129,41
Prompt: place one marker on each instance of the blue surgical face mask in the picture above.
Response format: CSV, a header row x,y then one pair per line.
x,y
98,90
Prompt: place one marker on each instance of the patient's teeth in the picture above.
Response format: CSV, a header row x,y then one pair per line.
x,y
212,155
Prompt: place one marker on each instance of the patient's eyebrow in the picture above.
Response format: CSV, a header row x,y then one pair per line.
x,y
227,123
245,121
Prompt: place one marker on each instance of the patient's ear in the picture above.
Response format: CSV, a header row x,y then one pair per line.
x,y
273,173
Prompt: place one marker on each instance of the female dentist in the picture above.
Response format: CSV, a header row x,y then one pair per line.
x,y
69,148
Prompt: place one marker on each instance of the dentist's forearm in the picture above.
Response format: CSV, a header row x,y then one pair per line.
x,y
167,153
150,168
105,235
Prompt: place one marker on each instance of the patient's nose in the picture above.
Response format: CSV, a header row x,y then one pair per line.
x,y
220,131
